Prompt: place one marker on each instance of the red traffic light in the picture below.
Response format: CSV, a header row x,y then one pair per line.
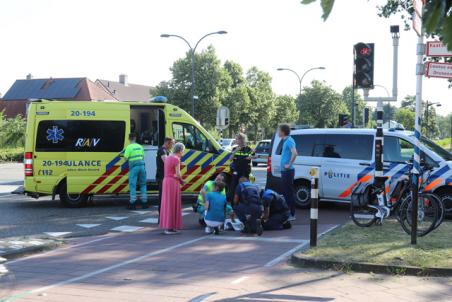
x,y
363,50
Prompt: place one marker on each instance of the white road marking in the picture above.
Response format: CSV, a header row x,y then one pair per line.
x,y
57,234
185,214
141,212
239,280
150,220
16,247
88,225
328,230
117,218
126,229
264,239
35,242
101,271
16,242
287,254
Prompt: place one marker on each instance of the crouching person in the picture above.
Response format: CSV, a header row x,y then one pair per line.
x,y
209,186
248,206
276,211
216,208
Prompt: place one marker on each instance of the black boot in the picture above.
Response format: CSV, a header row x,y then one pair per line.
x,y
131,207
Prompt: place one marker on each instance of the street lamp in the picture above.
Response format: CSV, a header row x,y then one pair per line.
x,y
427,105
300,79
192,54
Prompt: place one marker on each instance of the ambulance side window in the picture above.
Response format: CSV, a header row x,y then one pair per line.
x,y
191,137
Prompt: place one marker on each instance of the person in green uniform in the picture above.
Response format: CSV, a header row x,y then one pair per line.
x,y
134,154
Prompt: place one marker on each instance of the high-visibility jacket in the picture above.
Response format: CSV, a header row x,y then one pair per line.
x,y
134,153
208,187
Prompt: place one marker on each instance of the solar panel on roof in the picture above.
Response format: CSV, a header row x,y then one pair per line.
x,y
43,89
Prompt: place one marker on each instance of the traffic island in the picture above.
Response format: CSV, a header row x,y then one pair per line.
x,y
381,249
12,248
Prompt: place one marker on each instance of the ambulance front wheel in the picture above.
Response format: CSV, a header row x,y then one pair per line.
x,y
72,200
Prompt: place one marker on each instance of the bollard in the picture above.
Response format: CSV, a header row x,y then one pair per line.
x,y
314,172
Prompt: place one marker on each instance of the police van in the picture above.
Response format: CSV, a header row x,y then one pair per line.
x,y
345,157
73,148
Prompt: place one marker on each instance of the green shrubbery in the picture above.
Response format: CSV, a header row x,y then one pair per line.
x,y
12,138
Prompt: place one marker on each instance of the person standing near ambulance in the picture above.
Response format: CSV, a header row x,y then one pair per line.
x,y
288,156
241,162
134,154
162,153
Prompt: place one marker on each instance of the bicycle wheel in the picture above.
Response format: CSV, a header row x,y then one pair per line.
x,y
363,216
429,213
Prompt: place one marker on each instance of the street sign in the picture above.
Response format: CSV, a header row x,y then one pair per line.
x,y
437,49
223,118
439,70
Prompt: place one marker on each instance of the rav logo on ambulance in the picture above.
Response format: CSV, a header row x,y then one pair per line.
x,y
87,142
55,134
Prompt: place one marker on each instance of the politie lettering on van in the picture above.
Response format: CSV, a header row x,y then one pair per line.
x,y
73,149
345,158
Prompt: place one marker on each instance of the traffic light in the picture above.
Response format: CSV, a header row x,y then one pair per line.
x,y
363,76
343,118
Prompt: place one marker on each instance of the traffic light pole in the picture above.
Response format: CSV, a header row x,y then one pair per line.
x,y
379,178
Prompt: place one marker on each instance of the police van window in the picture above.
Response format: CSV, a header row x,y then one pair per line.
x,y
191,137
397,149
80,136
305,144
355,146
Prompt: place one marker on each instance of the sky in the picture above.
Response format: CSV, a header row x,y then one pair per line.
x,y
101,39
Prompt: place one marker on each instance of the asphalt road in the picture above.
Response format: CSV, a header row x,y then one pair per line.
x,y
24,216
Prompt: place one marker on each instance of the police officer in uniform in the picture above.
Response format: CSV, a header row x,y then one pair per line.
x,y
276,211
134,154
241,161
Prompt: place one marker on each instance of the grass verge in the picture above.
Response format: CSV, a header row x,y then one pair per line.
x,y
385,245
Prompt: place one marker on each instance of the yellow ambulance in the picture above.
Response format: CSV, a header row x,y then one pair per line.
x,y
73,148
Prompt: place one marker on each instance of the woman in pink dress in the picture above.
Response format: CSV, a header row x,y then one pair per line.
x,y
171,211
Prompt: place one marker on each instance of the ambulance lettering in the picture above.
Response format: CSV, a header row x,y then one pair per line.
x,y
87,142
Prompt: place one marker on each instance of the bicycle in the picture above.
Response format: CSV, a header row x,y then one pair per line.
x,y
370,205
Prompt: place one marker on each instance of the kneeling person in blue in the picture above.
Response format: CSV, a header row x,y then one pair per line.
x,y
208,187
216,208
276,211
134,154
248,206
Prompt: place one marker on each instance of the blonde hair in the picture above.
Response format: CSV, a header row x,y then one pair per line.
x,y
178,148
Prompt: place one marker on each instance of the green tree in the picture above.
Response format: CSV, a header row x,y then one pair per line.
x,y
320,105
359,104
261,100
285,111
437,19
235,71
212,83
12,131
239,104
444,125
405,116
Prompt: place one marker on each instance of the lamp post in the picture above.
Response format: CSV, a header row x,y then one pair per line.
x,y
192,54
300,79
427,105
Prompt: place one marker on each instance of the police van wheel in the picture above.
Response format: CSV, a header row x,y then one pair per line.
x,y
303,195
446,198
72,200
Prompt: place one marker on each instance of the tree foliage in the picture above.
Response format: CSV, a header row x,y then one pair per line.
x,y
437,16
320,105
12,131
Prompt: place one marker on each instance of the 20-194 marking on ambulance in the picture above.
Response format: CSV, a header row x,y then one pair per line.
x,y
439,70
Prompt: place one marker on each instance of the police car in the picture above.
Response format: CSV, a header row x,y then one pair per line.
x,y
345,157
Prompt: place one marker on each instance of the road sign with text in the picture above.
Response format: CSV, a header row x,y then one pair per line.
x,y
439,70
437,49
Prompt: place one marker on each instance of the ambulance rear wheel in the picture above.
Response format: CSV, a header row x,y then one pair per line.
x,y
303,195
72,200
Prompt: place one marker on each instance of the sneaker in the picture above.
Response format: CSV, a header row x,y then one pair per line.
x,y
208,230
216,230
169,232
287,225
131,206
291,218
259,229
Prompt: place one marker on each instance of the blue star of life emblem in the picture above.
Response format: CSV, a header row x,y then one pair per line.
x,y
55,134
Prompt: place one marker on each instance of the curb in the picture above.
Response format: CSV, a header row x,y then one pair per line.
x,y
300,261
14,254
